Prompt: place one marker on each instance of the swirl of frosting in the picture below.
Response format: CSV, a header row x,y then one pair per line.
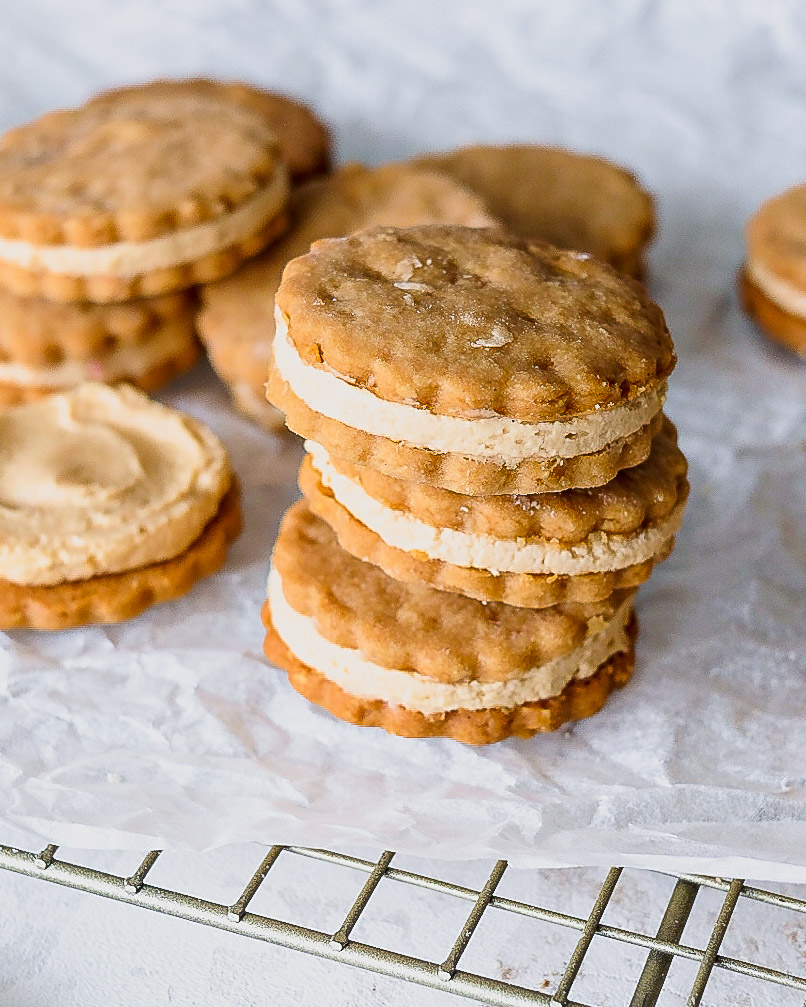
x,y
100,480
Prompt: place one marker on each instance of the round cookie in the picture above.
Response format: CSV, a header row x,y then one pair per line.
x,y
48,347
118,199
571,200
236,322
305,144
420,662
532,551
470,359
109,503
772,284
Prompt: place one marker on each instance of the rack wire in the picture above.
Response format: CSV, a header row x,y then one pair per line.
x,y
663,948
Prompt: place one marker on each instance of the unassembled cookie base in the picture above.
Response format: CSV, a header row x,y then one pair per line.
x,y
116,597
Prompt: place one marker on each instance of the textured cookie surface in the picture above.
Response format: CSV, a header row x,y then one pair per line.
x,y
771,318
580,698
572,200
523,589
304,141
118,170
457,472
414,627
112,598
464,321
40,333
237,317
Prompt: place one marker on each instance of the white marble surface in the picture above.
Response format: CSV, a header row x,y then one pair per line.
x,y
706,102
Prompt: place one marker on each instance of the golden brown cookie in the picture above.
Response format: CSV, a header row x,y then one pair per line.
x,y
305,143
98,485
46,346
533,551
772,319
469,358
572,200
444,658
117,199
236,322
772,283
109,598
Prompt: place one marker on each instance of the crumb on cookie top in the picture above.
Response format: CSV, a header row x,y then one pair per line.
x,y
120,170
466,321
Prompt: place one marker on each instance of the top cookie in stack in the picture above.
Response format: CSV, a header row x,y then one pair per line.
x,y
109,213
489,479
469,359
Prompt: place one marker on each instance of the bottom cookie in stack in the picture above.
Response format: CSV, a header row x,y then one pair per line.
x,y
420,662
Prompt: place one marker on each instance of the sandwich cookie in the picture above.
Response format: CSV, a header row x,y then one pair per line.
x,y
534,550
124,198
572,200
304,141
49,347
772,283
470,359
109,503
236,322
423,663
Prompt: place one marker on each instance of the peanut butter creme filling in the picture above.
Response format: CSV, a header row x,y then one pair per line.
x,y
100,480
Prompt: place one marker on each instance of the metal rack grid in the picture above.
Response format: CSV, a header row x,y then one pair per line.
x,y
663,948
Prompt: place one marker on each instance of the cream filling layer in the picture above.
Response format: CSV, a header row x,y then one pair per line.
x,y
489,436
130,258
358,677
783,293
121,363
600,552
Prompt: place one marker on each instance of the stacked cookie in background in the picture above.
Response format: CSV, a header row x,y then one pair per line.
x,y
489,479
110,213
236,321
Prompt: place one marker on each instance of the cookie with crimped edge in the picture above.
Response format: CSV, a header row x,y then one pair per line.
x,y
236,321
46,346
442,656
305,144
109,502
772,283
572,200
121,198
469,358
534,551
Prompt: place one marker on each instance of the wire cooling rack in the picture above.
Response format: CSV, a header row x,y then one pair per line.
x,y
663,948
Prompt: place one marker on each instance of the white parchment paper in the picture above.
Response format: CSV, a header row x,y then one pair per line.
x,y
172,731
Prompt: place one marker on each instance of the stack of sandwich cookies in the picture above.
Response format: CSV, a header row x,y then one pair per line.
x,y
488,464
772,283
109,503
236,322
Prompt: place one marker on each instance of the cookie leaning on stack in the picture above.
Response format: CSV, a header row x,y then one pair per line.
x,y
109,503
572,200
236,322
467,395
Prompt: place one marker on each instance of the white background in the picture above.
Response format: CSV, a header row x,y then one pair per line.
x,y
707,101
